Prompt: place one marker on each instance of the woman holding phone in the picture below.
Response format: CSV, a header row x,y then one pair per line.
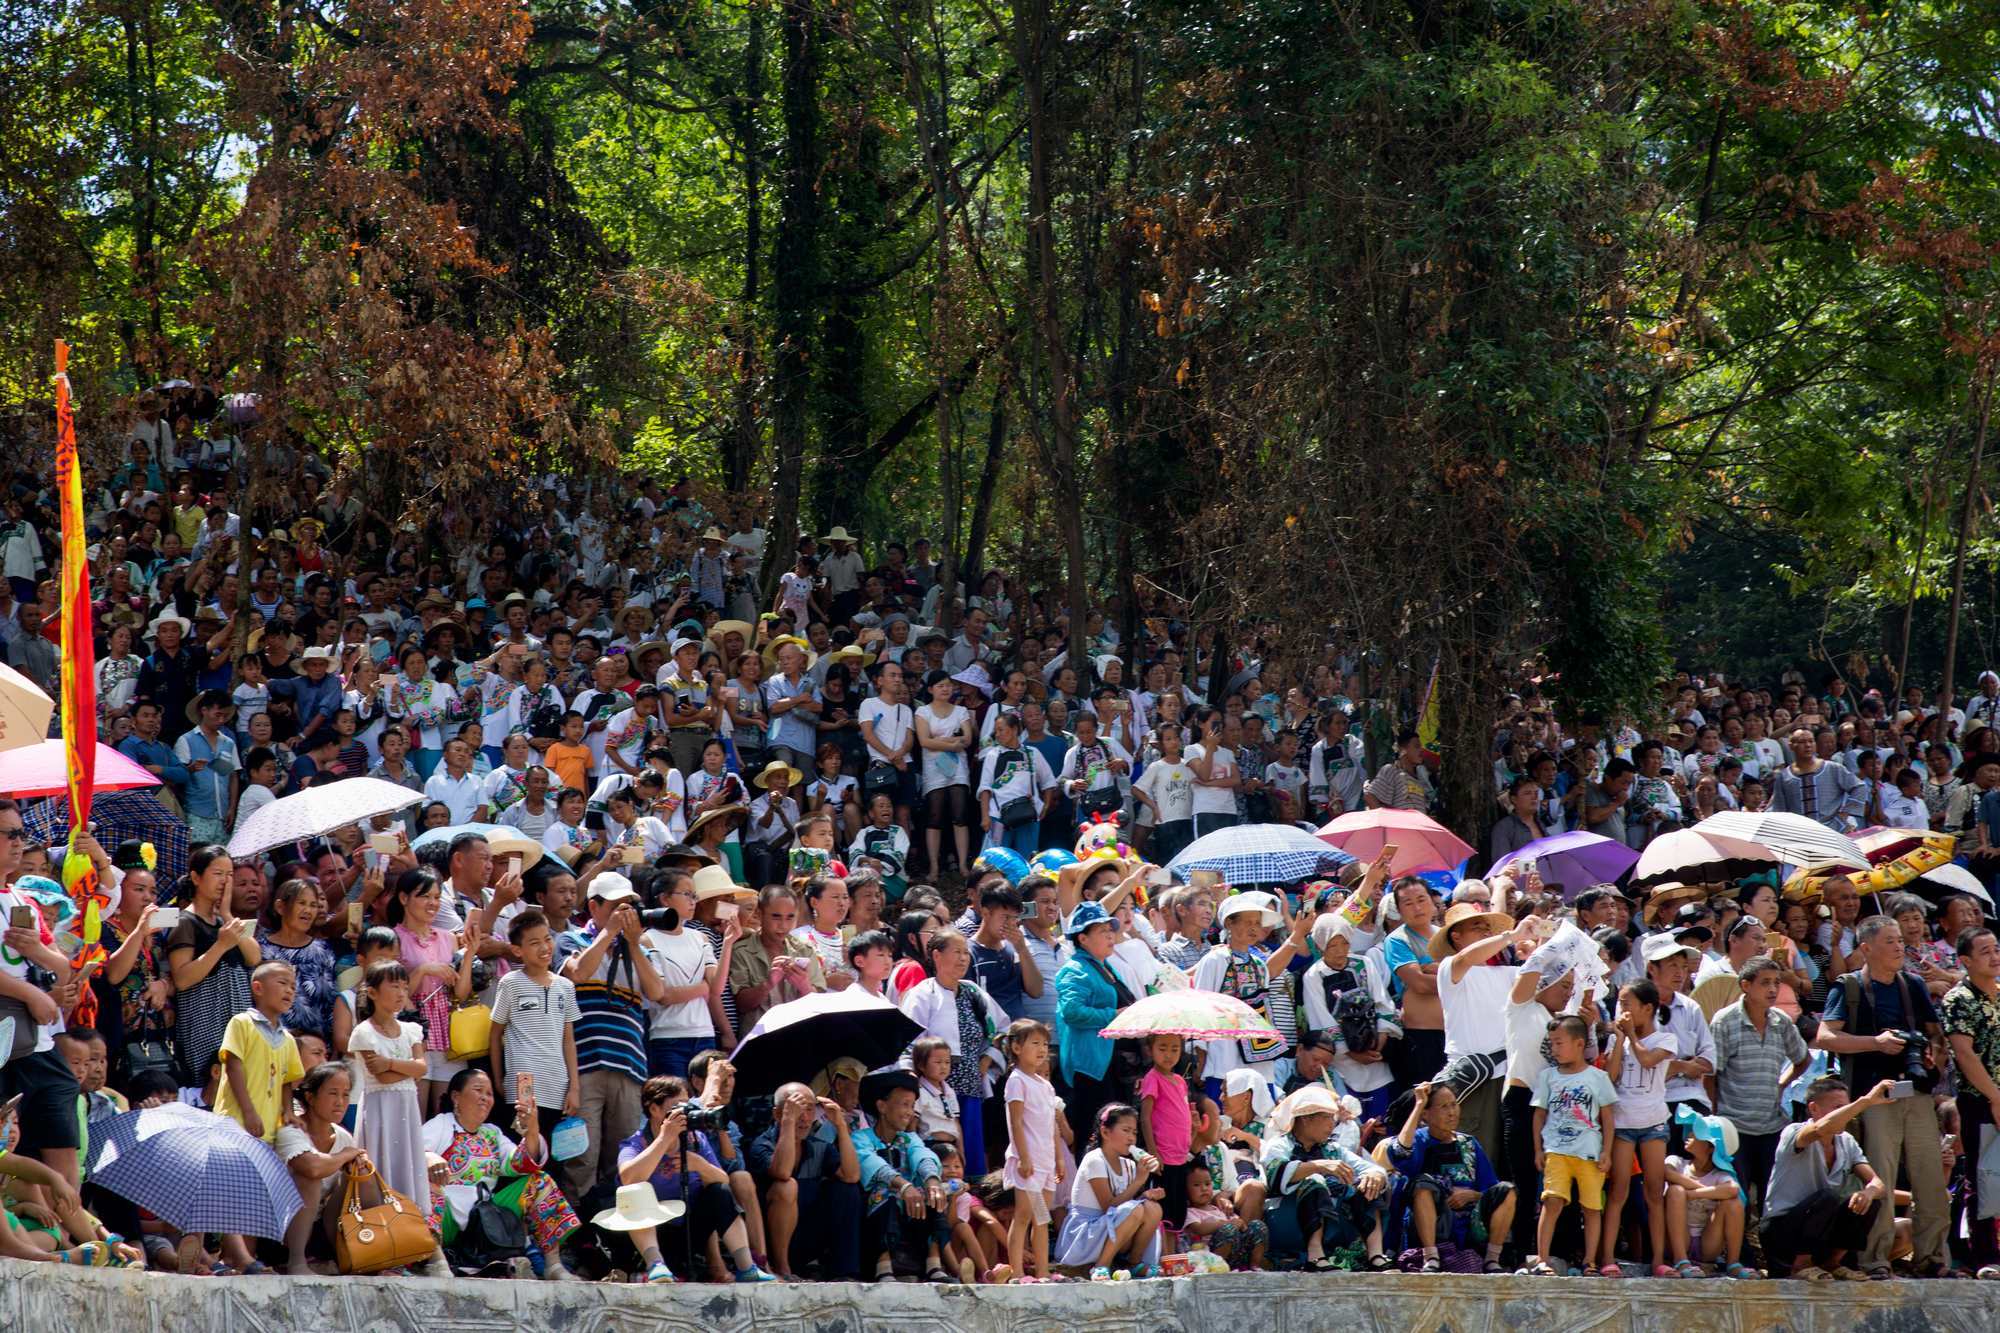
x,y
210,955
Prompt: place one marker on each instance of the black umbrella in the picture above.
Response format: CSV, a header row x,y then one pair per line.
x,y
794,1041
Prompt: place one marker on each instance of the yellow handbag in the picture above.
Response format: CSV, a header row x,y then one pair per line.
x,y
392,1234
471,1030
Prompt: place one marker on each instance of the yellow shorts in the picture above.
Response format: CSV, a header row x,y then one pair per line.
x,y
1560,1172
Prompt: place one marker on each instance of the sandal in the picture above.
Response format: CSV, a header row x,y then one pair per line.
x,y
1610,1270
1811,1273
1688,1268
1540,1268
1382,1263
1661,1270
938,1275
659,1275
1432,1264
1741,1273
1493,1266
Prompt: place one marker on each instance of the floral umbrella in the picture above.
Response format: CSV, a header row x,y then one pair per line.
x,y
1196,1014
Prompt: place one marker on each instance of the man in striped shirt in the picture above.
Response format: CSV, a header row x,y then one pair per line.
x,y
615,978
1758,1053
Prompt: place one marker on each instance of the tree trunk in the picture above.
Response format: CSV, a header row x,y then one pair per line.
x,y
989,482
795,273
1032,37
1966,511
739,460
1916,574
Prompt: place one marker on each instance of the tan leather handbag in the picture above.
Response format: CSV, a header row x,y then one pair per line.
x,y
392,1234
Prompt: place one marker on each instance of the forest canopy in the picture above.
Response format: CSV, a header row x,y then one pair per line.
x,y
1577,333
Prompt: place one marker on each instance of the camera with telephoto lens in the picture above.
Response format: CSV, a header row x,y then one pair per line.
x,y
1914,1068
659,918
704,1117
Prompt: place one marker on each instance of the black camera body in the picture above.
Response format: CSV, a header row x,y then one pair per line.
x,y
660,918
701,1117
1914,1068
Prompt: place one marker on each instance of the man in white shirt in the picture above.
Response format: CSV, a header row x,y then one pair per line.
x,y
454,784
888,728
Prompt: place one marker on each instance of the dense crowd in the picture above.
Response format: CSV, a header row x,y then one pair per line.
x,y
660,808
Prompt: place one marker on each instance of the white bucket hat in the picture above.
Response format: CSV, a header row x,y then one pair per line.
x,y
636,1208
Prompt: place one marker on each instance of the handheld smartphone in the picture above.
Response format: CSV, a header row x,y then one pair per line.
x,y
632,855
22,918
726,911
165,918
1157,876
354,916
1031,910
594,820
1902,1090
1204,879
389,844
514,864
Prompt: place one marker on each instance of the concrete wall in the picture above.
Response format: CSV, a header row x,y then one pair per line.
x,y
44,1298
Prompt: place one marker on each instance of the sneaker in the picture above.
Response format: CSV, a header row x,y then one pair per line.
x,y
754,1274
968,1272
659,1274
553,1271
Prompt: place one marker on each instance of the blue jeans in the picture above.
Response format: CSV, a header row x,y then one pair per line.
x,y
670,1055
1025,838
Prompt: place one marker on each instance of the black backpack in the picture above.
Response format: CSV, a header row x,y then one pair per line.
x,y
1353,1009
491,1235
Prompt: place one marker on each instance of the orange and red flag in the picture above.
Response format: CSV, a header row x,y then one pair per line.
x,y
79,684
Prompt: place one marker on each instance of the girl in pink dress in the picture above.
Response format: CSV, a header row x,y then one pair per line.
x,y
1032,1169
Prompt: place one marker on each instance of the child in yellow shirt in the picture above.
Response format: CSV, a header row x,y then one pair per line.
x,y
260,1059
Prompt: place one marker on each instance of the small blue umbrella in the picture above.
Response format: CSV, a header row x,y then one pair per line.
x,y
1259,854
194,1170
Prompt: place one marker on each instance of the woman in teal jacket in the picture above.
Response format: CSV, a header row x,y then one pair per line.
x,y
1088,995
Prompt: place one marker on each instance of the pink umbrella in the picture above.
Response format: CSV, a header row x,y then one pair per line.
x,y
1421,842
43,770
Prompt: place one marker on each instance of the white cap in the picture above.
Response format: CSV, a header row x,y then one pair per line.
x,y
612,887
1654,949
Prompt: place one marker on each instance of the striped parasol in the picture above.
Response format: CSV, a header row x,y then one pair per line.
x,y
1792,838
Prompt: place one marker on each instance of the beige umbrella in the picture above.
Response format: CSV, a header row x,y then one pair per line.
x,y
24,710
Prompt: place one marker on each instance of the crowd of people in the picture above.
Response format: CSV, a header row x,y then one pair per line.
x,y
658,809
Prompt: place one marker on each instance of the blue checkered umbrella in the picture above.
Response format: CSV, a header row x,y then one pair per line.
x,y
119,815
1259,854
194,1170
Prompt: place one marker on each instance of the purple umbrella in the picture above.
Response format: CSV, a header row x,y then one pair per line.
x,y
1573,861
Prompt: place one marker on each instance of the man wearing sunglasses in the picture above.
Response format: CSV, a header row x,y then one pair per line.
x,y
35,1071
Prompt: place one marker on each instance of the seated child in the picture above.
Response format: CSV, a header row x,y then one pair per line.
x,y
1211,1221
1705,1205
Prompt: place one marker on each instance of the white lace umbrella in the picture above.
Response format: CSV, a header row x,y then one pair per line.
x,y
319,810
